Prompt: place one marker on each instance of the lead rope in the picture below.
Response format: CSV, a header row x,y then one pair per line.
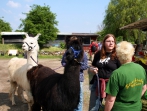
x,y
62,66
57,68
34,60
37,64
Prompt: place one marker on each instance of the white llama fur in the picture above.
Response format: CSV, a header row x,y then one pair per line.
x,y
18,67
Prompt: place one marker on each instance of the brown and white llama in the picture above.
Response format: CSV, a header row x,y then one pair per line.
x,y
58,92
18,67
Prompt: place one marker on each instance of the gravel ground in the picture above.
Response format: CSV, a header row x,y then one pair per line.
x,y
5,104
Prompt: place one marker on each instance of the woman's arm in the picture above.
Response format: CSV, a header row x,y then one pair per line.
x,y
144,89
84,64
109,102
94,69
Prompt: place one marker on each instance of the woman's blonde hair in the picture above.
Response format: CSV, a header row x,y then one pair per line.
x,y
124,51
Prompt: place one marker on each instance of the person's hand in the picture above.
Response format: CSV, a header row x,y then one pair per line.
x,y
95,70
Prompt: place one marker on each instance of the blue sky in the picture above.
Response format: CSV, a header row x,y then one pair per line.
x,y
81,16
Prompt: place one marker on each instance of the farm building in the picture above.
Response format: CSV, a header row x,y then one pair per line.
x,y
12,37
17,37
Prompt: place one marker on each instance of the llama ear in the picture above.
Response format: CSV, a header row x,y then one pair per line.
x,y
26,35
37,36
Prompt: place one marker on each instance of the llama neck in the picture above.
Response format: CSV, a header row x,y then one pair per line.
x,y
70,80
72,72
32,58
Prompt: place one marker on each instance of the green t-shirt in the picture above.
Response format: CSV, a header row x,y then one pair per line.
x,y
126,84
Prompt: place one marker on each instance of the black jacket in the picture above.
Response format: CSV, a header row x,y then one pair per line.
x,y
105,66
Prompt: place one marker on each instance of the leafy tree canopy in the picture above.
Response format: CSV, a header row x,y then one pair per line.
x,y
4,26
123,12
40,19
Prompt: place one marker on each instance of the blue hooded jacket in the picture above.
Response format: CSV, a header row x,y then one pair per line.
x,y
83,67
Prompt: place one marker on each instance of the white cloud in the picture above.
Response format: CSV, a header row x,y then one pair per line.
x,y
29,0
7,11
13,4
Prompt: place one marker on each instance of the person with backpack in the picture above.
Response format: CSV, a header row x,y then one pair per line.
x,y
93,49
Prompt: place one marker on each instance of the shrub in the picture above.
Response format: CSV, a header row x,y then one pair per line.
x,y
62,45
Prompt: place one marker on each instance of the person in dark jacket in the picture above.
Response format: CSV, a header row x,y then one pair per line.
x,y
83,67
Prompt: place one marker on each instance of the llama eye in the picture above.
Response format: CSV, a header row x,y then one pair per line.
x,y
31,43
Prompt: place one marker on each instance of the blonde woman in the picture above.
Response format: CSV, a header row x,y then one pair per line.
x,y
127,83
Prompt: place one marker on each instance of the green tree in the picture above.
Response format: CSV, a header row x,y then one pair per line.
x,y
40,19
4,26
19,30
123,12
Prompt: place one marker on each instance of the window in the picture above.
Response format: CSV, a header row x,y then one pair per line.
x,y
86,40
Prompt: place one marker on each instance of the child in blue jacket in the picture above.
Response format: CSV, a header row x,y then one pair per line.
x,y
84,66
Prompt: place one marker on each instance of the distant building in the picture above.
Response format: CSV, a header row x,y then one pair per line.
x,y
12,37
17,37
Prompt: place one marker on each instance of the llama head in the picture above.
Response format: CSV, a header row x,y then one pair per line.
x,y
31,43
74,50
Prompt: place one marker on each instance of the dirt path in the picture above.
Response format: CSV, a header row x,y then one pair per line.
x,y
5,104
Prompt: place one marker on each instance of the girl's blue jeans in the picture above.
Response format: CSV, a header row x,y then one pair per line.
x,y
80,105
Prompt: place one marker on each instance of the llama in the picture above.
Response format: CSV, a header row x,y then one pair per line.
x,y
54,91
18,67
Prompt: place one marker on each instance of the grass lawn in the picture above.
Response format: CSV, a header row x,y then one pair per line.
x,y
5,47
